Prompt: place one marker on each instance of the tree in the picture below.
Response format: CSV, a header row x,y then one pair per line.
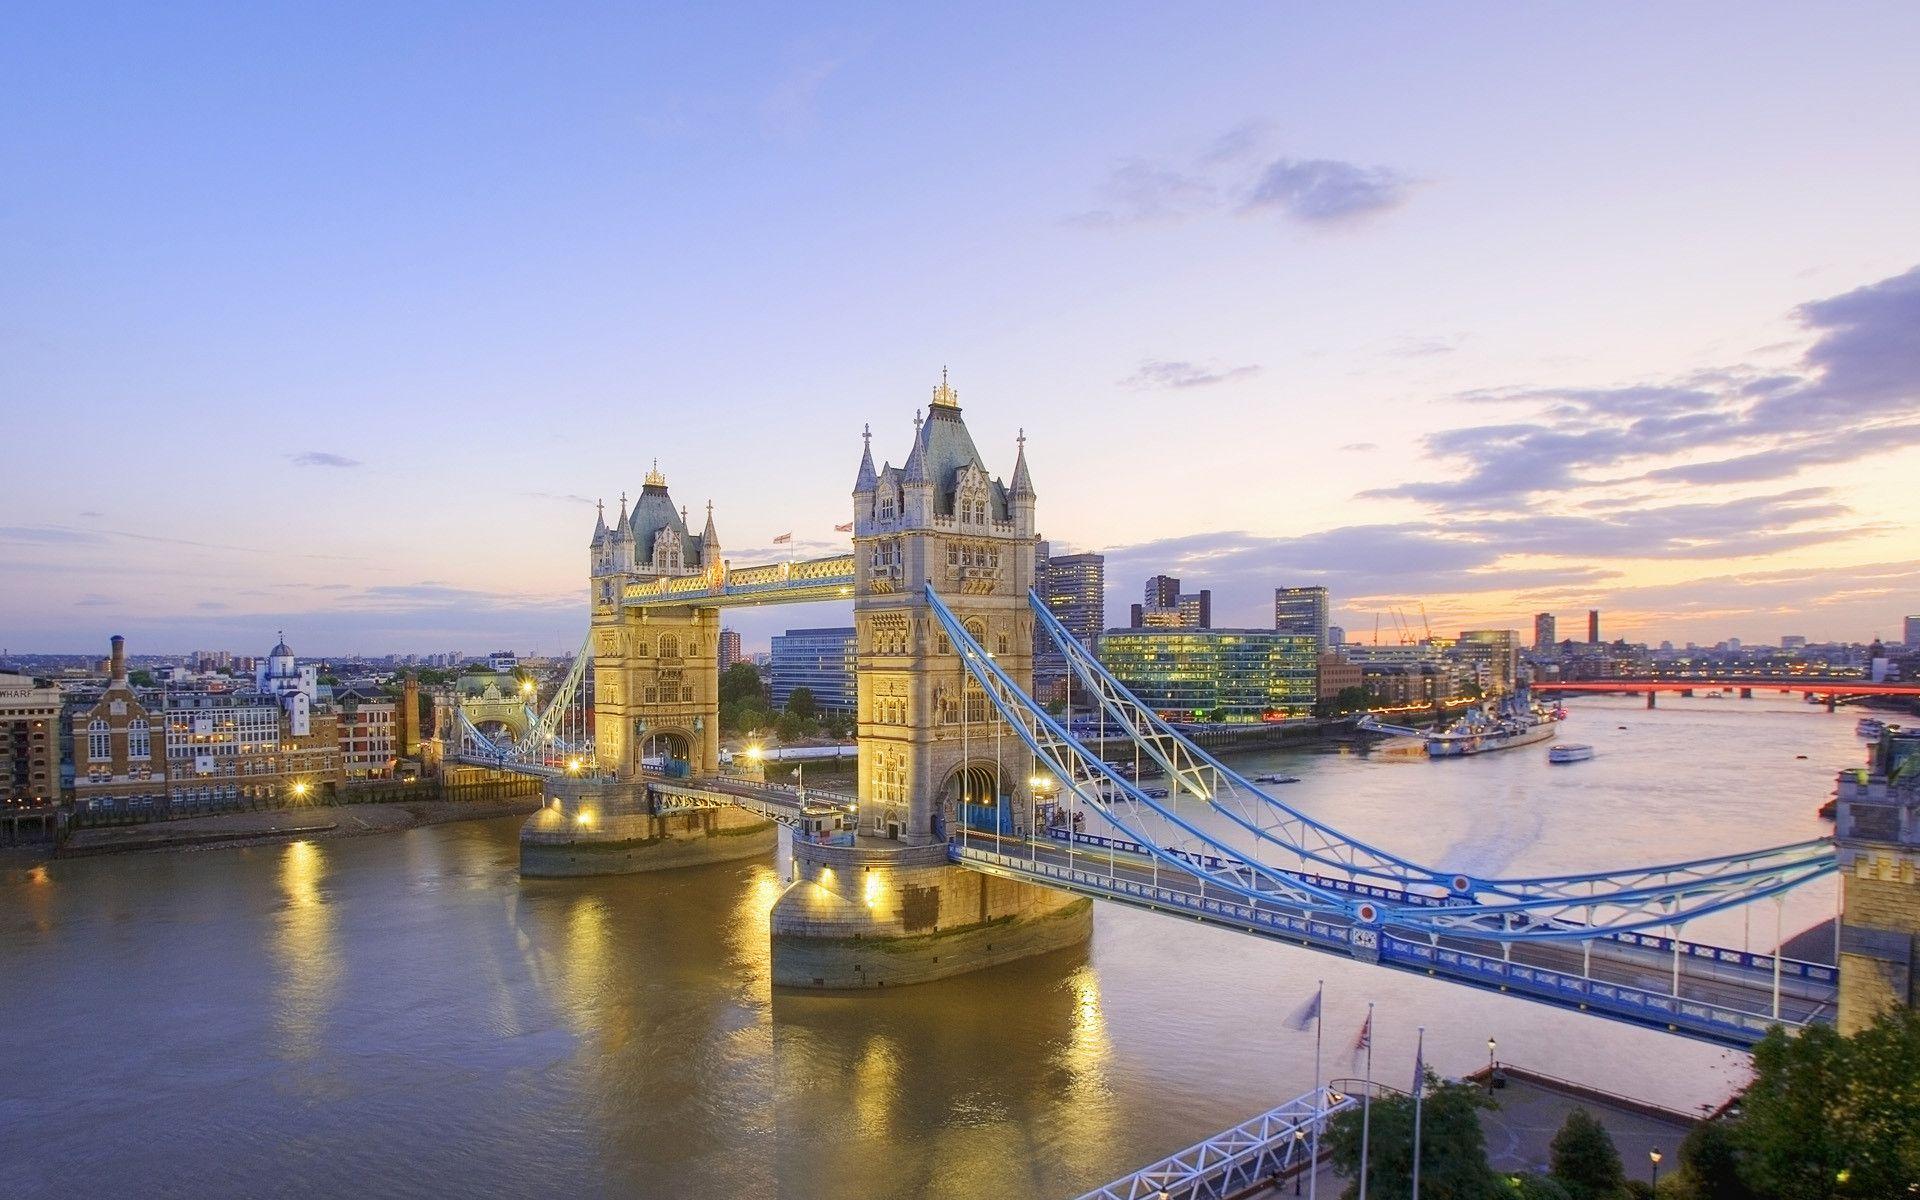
x,y
141,678
790,726
741,683
800,703
1584,1159
1832,1116
1709,1165
1453,1148
1535,1187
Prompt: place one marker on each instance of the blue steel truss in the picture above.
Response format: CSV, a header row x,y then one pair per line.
x,y
1288,851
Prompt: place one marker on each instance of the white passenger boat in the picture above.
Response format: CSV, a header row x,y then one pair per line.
x,y
1870,727
1569,752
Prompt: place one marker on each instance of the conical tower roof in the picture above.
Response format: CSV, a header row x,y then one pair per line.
x,y
1022,484
867,480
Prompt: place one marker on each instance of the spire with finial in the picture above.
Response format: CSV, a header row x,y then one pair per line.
x,y
711,536
654,477
621,527
916,469
599,521
944,396
1022,484
867,480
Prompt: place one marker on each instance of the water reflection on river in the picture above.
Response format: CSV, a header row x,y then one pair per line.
x,y
402,1016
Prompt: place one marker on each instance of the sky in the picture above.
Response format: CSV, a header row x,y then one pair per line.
x,y
338,319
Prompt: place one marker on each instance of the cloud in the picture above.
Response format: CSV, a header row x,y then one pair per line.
x,y
91,513
1156,373
1853,394
95,600
1361,447
562,497
49,535
1326,191
321,458
1235,172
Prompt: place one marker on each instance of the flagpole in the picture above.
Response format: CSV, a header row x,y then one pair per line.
x,y
1319,1094
1419,1082
1366,1106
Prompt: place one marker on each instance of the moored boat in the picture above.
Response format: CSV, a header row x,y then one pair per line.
x,y
1870,727
1569,752
1517,721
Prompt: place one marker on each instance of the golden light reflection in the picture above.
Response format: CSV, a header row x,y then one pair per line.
x,y
750,932
876,1084
303,943
1087,1056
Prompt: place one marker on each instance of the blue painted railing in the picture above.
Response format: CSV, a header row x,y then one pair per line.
x,y
1621,1001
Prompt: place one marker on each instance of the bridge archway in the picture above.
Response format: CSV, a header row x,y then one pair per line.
x,y
972,796
666,751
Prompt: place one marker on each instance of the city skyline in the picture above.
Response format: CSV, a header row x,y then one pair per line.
x,y
349,346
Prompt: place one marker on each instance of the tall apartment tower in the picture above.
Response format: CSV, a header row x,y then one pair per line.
x,y
1543,632
940,520
1301,611
1593,627
1163,592
729,649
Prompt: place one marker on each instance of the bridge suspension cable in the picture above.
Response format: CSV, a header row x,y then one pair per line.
x,y
1270,819
1175,842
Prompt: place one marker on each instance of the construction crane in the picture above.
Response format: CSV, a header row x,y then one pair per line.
x,y
1426,624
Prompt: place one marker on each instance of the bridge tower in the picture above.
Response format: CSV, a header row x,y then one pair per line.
x,y
926,730
1877,835
656,695
891,908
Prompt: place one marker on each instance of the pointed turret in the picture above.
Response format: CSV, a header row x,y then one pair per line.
x,y
710,537
916,468
1022,485
600,534
621,542
867,480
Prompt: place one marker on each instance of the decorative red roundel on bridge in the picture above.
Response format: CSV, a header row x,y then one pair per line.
x,y
1460,883
1368,913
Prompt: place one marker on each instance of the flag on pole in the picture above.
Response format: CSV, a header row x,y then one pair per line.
x,y
1364,1041
1305,1015
847,528
1420,1063
785,537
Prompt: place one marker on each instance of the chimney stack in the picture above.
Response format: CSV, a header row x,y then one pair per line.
x,y
117,662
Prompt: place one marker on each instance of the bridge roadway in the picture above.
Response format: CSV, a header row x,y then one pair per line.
x,y
1724,996
1810,686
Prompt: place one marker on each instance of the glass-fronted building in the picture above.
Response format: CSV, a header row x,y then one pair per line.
x,y
1216,674
820,660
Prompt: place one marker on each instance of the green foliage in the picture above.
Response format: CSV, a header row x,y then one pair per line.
x,y
1708,1166
1349,700
741,683
790,726
1534,1187
141,678
1828,1116
1584,1159
1453,1150
800,704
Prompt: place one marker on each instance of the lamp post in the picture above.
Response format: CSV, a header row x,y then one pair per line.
x,y
1490,1045
1653,1156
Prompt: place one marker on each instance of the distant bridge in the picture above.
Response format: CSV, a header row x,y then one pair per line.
x,y
1803,685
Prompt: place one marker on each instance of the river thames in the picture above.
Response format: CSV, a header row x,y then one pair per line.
x,y
401,1015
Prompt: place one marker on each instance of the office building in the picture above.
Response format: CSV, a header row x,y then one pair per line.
x,y
1493,653
1791,641
1190,610
29,743
1076,593
1593,627
1912,633
1301,610
1336,636
730,648
1543,632
820,660
1216,674
1162,591
1337,674
370,731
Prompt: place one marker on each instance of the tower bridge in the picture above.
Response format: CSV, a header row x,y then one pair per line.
x,y
980,829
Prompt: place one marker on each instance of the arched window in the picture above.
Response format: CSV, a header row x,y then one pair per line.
x,y
138,745
669,646
99,741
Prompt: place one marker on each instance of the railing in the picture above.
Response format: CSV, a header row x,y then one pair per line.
x,y
1712,1022
1275,1144
1698,952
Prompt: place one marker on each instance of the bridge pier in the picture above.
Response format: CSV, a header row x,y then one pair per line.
x,y
878,914
1877,835
1746,693
608,827
1650,697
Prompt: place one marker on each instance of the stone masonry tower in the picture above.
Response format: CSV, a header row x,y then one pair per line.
x,y
656,682
926,730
